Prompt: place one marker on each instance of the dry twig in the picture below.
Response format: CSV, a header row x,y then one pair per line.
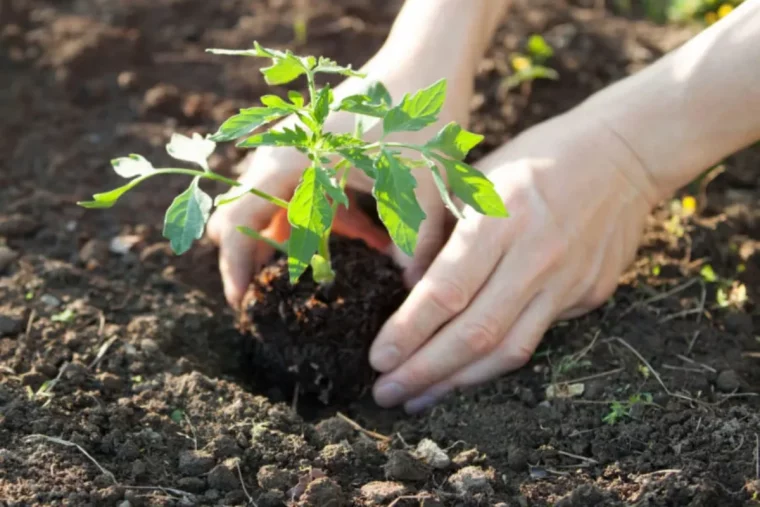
x,y
367,432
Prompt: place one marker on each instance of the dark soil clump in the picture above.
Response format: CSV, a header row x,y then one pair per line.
x,y
316,338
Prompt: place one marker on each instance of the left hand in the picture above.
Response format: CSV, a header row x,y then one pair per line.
x,y
578,199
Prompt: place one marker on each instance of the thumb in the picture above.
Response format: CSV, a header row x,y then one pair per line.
x,y
430,237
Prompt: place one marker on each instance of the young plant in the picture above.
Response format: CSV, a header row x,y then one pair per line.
x,y
332,156
621,410
531,66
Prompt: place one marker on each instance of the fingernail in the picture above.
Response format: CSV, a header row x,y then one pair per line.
x,y
420,404
386,358
390,394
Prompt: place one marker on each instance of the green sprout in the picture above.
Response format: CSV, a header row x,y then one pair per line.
x,y
66,316
332,156
531,66
620,410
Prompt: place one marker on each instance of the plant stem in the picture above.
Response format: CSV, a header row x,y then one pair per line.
x,y
213,176
384,144
282,247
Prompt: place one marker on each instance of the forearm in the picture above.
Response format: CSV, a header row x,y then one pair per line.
x,y
694,106
461,30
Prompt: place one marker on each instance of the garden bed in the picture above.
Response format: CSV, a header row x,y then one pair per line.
x,y
127,351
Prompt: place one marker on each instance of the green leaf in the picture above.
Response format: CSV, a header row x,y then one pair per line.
x,y
296,137
285,65
443,189
131,166
310,215
65,316
177,415
708,274
454,141
247,121
186,218
330,186
108,199
331,142
322,104
396,202
417,111
327,66
275,102
539,48
196,149
473,188
360,160
530,74
296,98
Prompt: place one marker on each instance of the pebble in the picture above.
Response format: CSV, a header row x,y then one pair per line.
x,y
18,226
94,253
470,481
467,457
149,346
272,477
323,491
222,476
195,462
429,452
403,466
192,484
728,381
110,382
382,492
162,99
10,326
127,80
50,300
7,256
125,503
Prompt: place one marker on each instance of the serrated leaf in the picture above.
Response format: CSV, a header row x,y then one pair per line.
x,y
443,189
296,98
196,149
322,104
246,122
327,66
396,202
131,166
417,111
275,102
108,199
331,187
296,137
285,65
310,215
186,218
331,142
360,160
454,141
473,187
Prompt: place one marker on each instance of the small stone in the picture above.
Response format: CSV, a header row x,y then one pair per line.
x,y
76,373
322,492
127,80
195,463
471,481
162,99
121,245
403,466
18,226
110,382
467,457
382,492
7,256
429,452
334,430
728,381
10,326
50,301
272,477
223,478
94,253
125,503
192,484
33,379
149,346
139,468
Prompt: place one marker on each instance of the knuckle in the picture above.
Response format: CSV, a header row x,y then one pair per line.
x,y
480,337
448,295
417,374
519,355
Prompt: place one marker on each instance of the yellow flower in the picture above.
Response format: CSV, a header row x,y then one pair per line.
x,y
711,17
520,63
724,10
688,205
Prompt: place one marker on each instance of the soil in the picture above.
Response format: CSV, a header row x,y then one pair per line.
x,y
124,380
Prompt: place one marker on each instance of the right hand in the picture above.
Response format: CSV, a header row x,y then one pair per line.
x,y
277,171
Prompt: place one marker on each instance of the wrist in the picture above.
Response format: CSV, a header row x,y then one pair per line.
x,y
693,107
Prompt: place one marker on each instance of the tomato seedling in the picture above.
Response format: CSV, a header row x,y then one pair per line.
x,y
321,189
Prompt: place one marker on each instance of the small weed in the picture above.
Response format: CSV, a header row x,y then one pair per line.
x,y
731,293
177,415
621,410
530,65
66,316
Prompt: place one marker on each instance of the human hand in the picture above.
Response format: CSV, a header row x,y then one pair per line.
x,y
277,171
578,199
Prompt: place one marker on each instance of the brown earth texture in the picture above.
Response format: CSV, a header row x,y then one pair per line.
x,y
126,381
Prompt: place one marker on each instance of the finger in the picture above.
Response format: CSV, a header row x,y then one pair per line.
x,y
445,290
478,330
239,254
430,237
514,351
